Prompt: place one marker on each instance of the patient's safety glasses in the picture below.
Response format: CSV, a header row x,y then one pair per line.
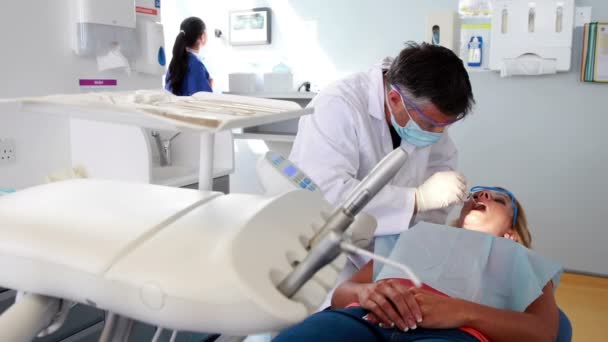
x,y
498,194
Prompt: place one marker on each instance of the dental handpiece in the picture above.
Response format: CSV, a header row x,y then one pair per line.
x,y
363,193
324,246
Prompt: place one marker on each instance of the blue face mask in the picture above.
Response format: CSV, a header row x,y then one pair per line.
x,y
412,133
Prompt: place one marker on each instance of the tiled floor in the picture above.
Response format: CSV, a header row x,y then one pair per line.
x,y
585,300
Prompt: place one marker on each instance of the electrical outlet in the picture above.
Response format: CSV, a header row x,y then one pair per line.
x,y
8,153
582,16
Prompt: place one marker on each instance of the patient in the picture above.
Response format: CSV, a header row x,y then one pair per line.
x,y
509,298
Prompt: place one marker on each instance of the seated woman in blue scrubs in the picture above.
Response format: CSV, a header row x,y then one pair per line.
x,y
187,74
477,285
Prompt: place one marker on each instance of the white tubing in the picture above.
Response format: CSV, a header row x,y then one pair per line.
x,y
350,248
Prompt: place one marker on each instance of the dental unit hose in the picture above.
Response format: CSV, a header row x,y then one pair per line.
x,y
352,249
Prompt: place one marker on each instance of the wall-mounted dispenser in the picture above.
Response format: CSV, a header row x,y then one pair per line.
x,y
103,26
151,58
531,37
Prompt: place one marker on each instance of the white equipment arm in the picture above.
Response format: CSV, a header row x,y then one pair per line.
x,y
182,259
27,317
177,258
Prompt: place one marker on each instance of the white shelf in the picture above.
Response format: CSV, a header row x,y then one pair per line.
x,y
477,69
181,176
283,96
122,109
266,137
204,113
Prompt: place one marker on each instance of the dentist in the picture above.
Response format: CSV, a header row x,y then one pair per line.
x,y
362,118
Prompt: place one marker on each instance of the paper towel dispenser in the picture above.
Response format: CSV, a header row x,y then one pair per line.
x,y
531,37
103,25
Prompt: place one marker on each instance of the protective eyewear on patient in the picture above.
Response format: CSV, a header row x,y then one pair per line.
x,y
497,193
421,114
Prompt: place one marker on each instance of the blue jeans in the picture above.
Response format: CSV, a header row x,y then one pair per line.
x,y
347,325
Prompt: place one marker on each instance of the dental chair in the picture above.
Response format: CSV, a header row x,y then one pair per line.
x,y
147,252
178,259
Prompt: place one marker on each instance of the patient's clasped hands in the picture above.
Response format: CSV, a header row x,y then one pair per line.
x,y
393,303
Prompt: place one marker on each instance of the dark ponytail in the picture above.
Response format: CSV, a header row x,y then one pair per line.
x,y
191,30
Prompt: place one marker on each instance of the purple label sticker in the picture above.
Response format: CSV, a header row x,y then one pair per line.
x,y
97,83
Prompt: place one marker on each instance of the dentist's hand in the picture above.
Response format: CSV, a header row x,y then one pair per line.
x,y
441,190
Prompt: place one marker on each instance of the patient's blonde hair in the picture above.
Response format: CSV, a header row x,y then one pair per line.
x,y
521,226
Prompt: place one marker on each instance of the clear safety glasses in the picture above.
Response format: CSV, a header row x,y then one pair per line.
x,y
421,114
497,192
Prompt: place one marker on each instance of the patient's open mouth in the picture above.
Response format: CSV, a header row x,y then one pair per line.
x,y
479,206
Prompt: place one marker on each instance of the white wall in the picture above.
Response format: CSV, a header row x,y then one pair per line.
x,y
543,139
320,40
37,59
540,137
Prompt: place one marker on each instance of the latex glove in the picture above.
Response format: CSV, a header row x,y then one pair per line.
x,y
441,190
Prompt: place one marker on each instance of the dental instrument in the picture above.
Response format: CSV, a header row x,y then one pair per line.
x,y
324,247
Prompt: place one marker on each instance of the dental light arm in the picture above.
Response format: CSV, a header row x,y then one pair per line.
x,y
325,245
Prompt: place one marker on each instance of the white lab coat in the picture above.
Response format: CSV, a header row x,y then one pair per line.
x,y
346,137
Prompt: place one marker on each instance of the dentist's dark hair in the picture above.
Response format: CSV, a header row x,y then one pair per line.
x,y
433,73
190,31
